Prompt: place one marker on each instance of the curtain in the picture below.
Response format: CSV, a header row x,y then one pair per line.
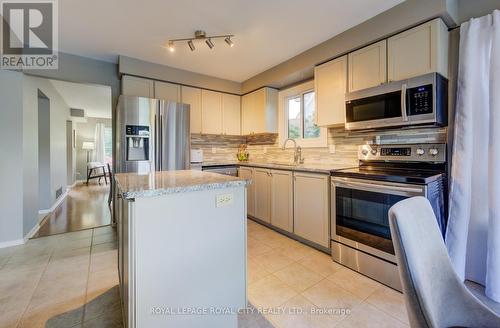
x,y
99,153
473,234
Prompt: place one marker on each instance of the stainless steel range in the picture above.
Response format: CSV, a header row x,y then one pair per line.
x,y
361,198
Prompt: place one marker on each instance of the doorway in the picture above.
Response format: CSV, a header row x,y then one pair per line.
x,y
44,190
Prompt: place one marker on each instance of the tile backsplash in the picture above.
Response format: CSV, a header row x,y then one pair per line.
x,y
223,148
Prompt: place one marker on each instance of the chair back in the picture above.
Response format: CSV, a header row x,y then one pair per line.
x,y
434,294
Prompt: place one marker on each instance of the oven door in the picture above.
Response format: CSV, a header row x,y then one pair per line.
x,y
359,216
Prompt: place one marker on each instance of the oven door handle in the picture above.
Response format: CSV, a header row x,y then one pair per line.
x,y
385,188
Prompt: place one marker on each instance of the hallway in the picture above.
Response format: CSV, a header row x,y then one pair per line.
x,y
85,207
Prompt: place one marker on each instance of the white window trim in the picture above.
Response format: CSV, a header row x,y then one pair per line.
x,y
283,95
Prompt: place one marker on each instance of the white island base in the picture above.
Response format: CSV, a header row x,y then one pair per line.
x,y
182,257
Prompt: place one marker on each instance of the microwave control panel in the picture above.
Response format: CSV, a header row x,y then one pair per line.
x,y
420,100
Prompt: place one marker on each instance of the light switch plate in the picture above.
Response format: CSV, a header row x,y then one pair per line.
x,y
214,150
265,150
332,149
223,200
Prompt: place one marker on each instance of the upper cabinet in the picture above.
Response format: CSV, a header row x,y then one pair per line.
x,y
136,86
167,91
259,111
330,83
231,114
420,50
192,97
367,66
211,112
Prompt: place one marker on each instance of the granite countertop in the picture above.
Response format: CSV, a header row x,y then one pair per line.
x,y
134,185
308,167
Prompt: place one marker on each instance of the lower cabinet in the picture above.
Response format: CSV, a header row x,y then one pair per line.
x,y
292,201
262,182
282,199
310,207
248,174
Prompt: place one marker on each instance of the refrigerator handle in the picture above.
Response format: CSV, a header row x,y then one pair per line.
x,y
160,144
157,143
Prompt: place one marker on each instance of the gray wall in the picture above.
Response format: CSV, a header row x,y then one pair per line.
x,y
44,196
475,8
398,18
85,132
11,148
59,113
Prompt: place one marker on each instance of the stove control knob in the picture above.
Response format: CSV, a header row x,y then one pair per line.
x,y
374,151
364,152
433,151
420,151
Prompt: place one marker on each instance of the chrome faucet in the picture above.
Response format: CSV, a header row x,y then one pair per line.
x,y
297,155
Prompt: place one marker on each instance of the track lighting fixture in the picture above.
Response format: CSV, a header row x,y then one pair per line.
x,y
201,35
229,42
209,43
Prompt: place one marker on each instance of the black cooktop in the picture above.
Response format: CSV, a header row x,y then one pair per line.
x,y
390,174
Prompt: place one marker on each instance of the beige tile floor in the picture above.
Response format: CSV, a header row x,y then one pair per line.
x,y
67,280
70,280
294,283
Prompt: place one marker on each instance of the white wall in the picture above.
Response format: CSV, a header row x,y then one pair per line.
x,y
11,174
59,113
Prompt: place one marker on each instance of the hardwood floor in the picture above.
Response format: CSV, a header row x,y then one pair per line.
x,y
85,207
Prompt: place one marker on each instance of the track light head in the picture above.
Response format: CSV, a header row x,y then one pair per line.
x,y
191,45
209,43
171,46
229,41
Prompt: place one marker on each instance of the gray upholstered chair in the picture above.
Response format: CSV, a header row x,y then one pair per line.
x,y
434,295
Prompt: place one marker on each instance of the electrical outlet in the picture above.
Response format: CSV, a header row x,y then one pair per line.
x,y
214,150
332,149
223,200
265,150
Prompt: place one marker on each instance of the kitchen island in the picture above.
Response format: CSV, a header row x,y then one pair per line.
x,y
182,248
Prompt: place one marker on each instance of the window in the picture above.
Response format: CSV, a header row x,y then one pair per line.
x,y
301,113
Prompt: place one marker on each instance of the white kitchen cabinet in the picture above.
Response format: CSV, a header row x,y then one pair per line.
x,y
282,199
330,84
260,111
192,97
311,210
231,114
262,179
248,174
367,66
211,112
136,86
167,91
420,50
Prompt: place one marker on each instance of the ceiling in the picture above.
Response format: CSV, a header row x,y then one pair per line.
x,y
267,32
94,99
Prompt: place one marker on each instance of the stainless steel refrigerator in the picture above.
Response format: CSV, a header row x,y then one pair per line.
x,y
151,135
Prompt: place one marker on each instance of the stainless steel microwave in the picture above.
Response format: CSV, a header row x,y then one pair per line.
x,y
421,100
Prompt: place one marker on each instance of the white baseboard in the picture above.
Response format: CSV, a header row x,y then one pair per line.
x,y
54,206
11,243
32,232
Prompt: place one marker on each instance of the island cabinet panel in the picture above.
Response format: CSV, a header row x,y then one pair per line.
x,y
263,194
136,86
330,83
282,199
367,66
311,207
248,174
185,256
